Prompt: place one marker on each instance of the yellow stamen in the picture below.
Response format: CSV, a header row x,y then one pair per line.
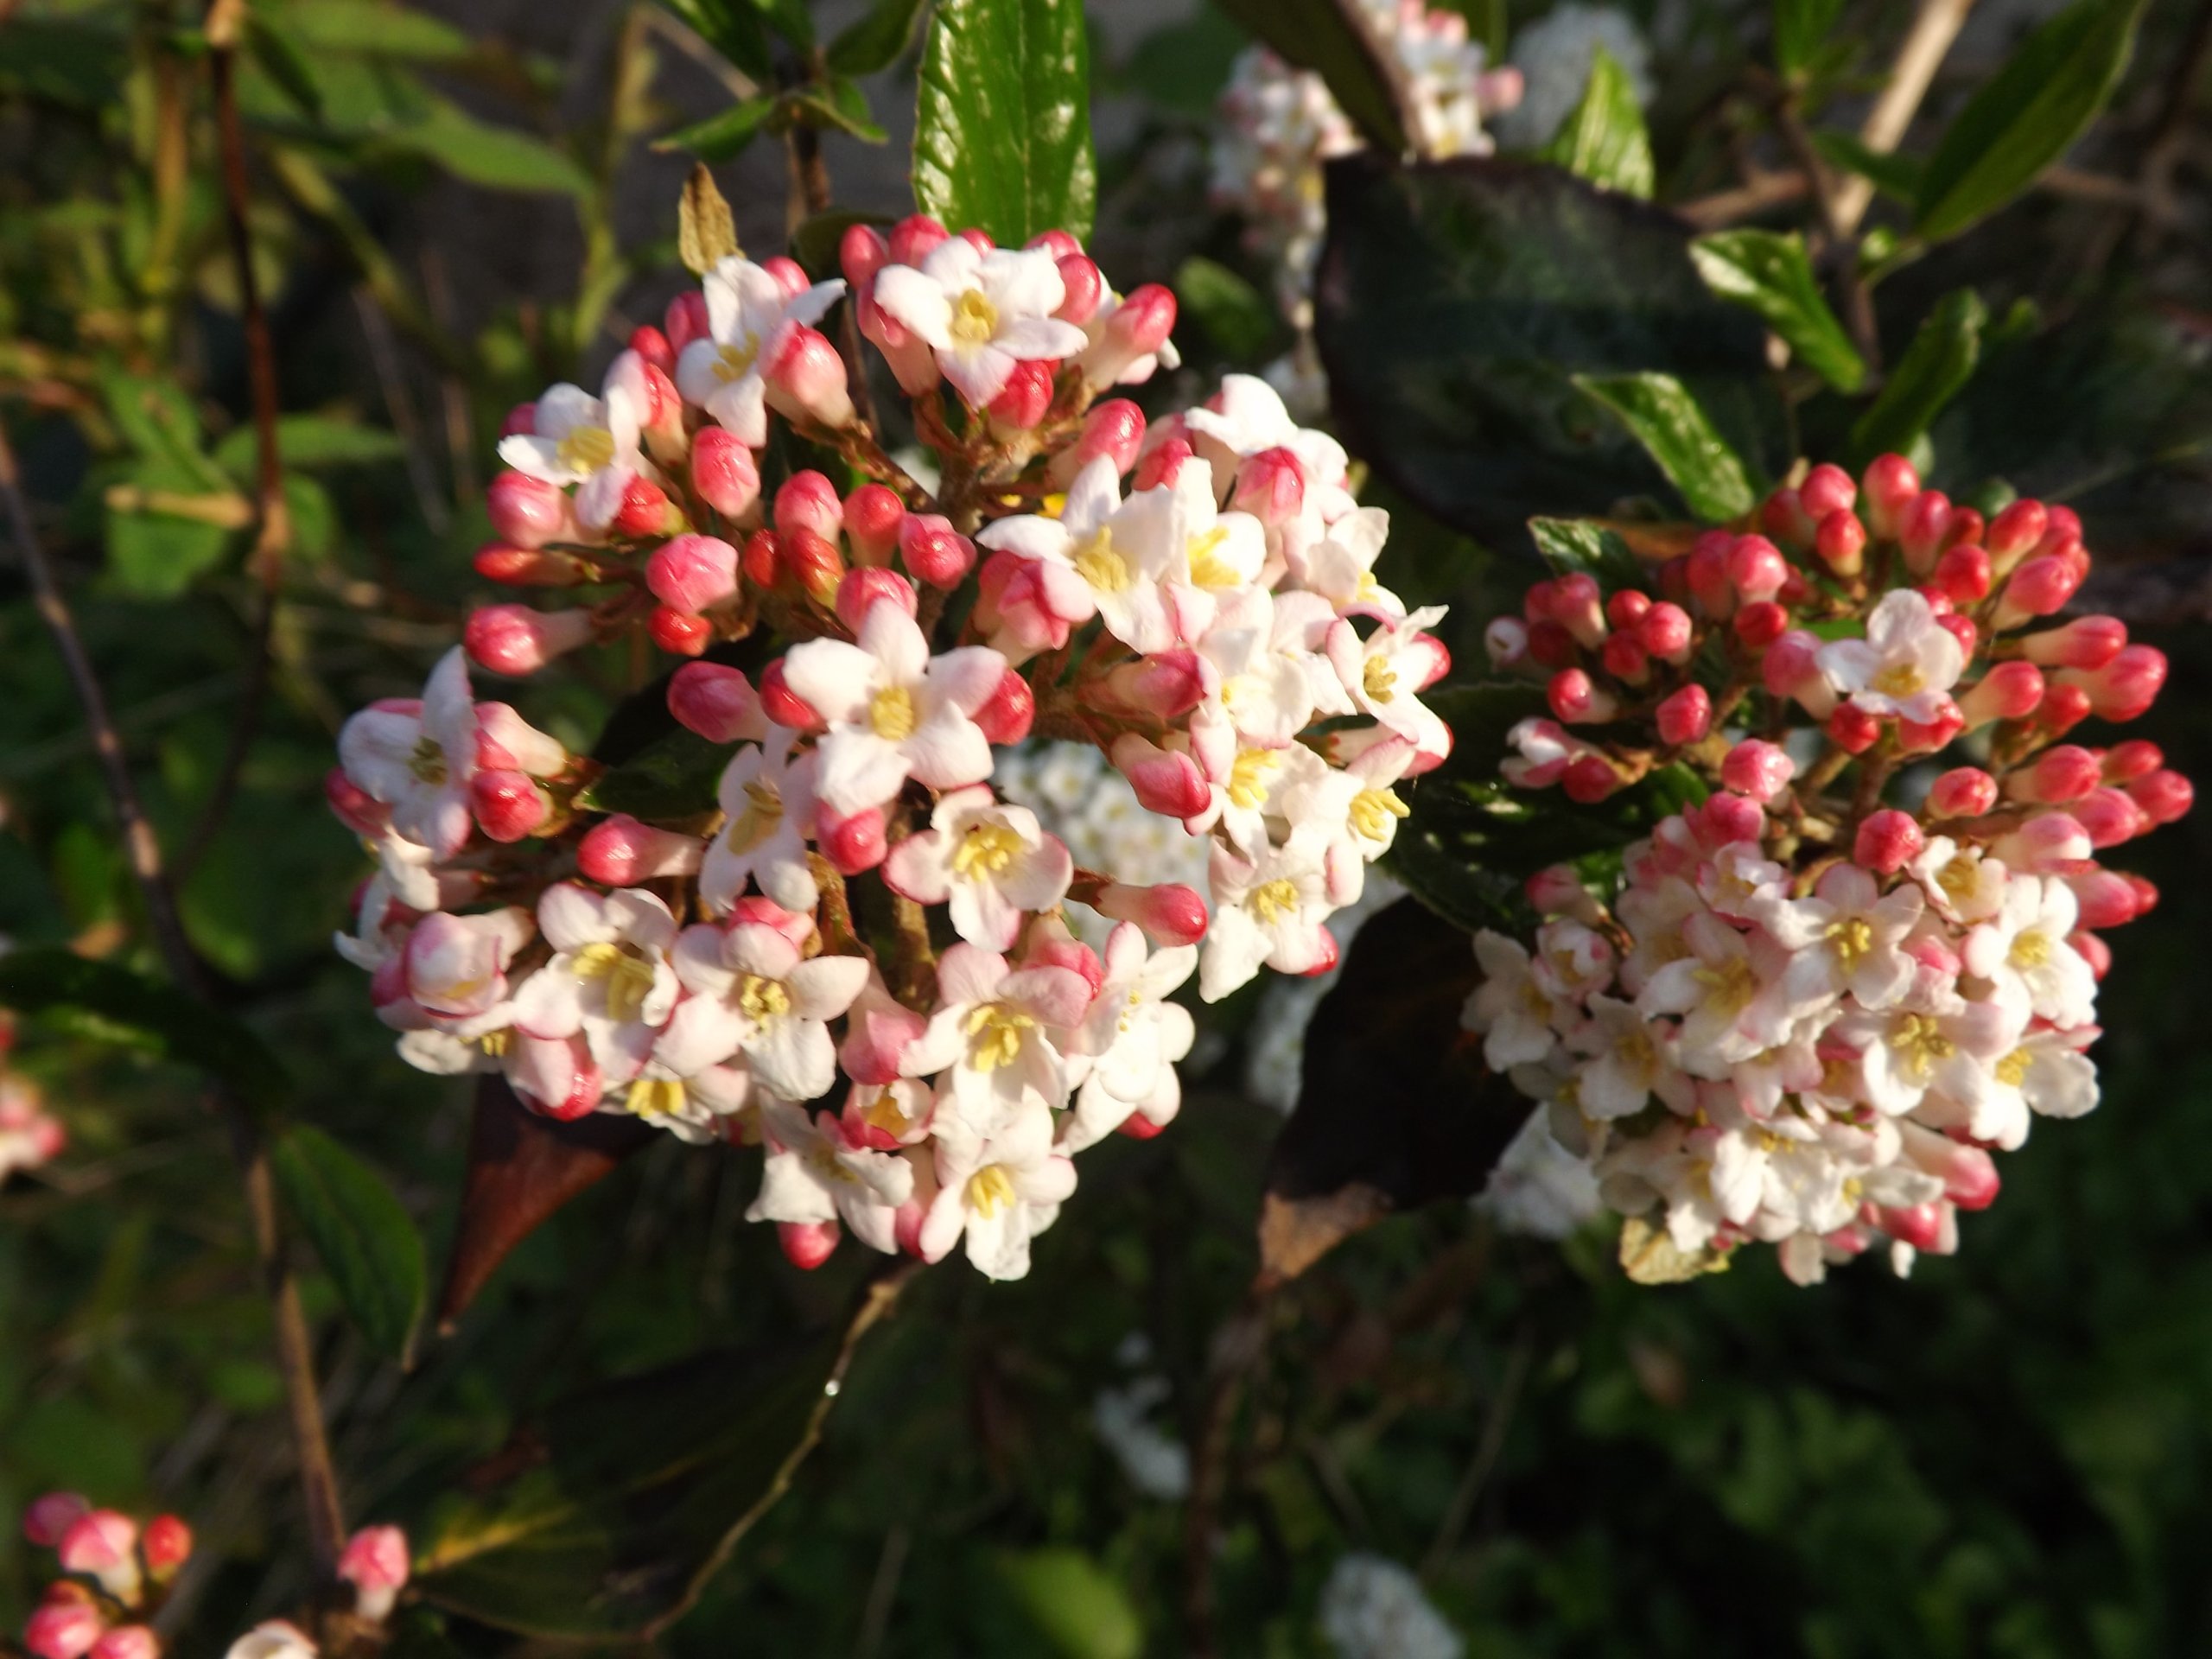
x,y
1922,1042
975,319
762,1000
428,761
764,810
823,1162
1898,680
990,1190
1853,938
1732,984
1098,563
2030,949
998,1033
629,978
1957,879
2013,1070
987,849
1248,776
1274,898
883,1113
1208,568
655,1097
1372,810
1380,679
586,449
891,714
733,363
495,1044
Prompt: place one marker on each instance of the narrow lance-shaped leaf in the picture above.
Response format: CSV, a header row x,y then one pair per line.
x,y
1770,274
1327,37
725,134
364,1234
1667,421
1895,176
1002,127
734,27
1604,139
875,41
2027,115
1800,26
1940,360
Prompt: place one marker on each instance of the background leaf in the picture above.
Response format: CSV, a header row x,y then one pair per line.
x,y
310,441
1234,313
722,135
1769,272
734,28
1079,1607
1669,423
1603,138
1940,360
1002,130
1316,35
363,1233
875,41
1800,26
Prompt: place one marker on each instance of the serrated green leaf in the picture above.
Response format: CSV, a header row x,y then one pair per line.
x,y
1235,315
724,134
673,778
143,1015
1895,176
875,41
1002,128
1678,434
1800,28
368,1243
310,441
1604,138
1938,363
2027,115
1770,273
1315,35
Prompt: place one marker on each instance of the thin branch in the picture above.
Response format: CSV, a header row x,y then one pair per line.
x,y
1480,1467
1934,27
274,539
1239,1344
1747,200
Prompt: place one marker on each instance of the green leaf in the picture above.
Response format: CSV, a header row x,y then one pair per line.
x,y
1002,130
1080,1608
838,105
310,441
1799,28
2027,115
113,1004
1456,302
368,1241
671,778
875,41
1667,421
734,28
1770,273
283,60
791,20
368,28
479,153
724,134
64,60
1316,35
1234,313
1604,139
1895,176
157,420
155,555
1575,546
1938,363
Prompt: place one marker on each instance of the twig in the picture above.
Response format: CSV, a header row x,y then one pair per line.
x,y
383,359
1487,1448
295,1351
883,1592
1935,26
1238,1346
1727,207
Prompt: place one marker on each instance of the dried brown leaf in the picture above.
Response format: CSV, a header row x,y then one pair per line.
x,y
706,231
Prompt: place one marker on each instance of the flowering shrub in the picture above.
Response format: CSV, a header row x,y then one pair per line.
x,y
1861,950
832,899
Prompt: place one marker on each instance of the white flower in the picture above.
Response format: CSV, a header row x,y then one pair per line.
x,y
1516,1015
1627,1062
456,966
2022,951
1267,911
1963,884
1385,672
610,975
1001,1191
1339,567
1247,415
1256,789
1353,812
751,995
1539,1188
1372,1608
989,860
1113,558
275,1640
981,313
418,757
1947,1050
747,310
813,1174
1905,666
993,1036
576,438
1156,1463
2046,1074
29,1135
1846,938
693,1107
766,795
1729,993
1258,647
1131,1039
893,711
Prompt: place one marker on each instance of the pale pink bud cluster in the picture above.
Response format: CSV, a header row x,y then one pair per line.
x,y
118,1575
30,1136
1810,1009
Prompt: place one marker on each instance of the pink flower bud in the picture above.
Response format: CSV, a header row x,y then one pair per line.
x,y
861,589
508,805
1783,516
1027,397
1576,605
1757,768
2166,797
1170,914
2042,586
104,1542
1840,543
1083,289
872,515
2014,532
1723,819
1685,716
679,633
2011,691
805,378
1578,700
375,1563
2086,642
1590,779
809,501
2125,687
645,513
1010,712
1115,428
2050,843
528,512
2109,817
914,237
1923,531
1665,630
1756,568
1760,625
2063,709
2136,757
723,471
1963,574
815,564
861,251
1536,604
685,320
1624,659
1852,730
1914,737
2146,894
1166,781
62,1628
1706,571
1920,1225
2105,898
1790,668
127,1641
854,844
693,573
521,566
1138,328
1549,644
783,705
620,851
49,1518
1959,628
165,1546
1505,642
1887,841
2066,773
716,702
1628,607
807,1244
1890,485
1827,489
789,274
936,554
520,421
1160,465
1556,890
1962,793
363,814
1166,685
1271,487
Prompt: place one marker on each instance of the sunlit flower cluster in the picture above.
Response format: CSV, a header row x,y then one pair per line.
x,y
811,915
30,1136
1373,1608
1279,125
1862,954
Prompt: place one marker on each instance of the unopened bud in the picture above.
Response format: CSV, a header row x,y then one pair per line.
x,y
2063,709
375,1563
1685,716
1549,644
1757,768
2136,757
852,843
804,379
763,560
679,633
1760,625
1827,489
1922,532
1887,841
2109,816
2014,532
1115,428
1917,737
1890,485
1840,543
103,1543
783,705
862,588
1960,628
1578,700
1160,465
1138,328
685,320
724,472
2164,796
936,554
1166,781
1963,575
63,1628
2103,899
2011,691
2086,642
1170,913
2050,843
1166,686
620,851
693,573
861,251
526,512
1624,659
2041,587
2125,687
1270,485
1783,516
807,1244
520,421
1081,287
872,515
365,815
1025,399
816,564
1666,631
50,1517
1962,793
809,501
1590,779
1756,568
1576,604
716,702
515,640
1556,890
1852,730
645,513
1706,571
2064,772
508,805
1505,641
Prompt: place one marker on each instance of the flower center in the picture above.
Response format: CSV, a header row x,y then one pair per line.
x,y
986,849
1098,563
655,1097
764,810
586,449
2013,1070
1248,776
762,1000
628,977
975,319
1958,879
883,1113
1380,679
1731,985
990,1190
998,1033
733,363
1922,1042
823,1162
1274,898
2031,950
1208,568
495,1044
1372,810
428,762
1853,938
891,714
1899,680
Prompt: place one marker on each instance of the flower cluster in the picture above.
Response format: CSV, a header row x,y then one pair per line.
x,y
1373,1608
30,1136
842,937
1280,124
1807,1008
118,1573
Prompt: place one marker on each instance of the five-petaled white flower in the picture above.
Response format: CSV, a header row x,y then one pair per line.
x,y
1131,1039
418,757
988,859
751,993
748,312
1846,938
2023,952
813,1173
1267,911
589,442
767,796
1001,1191
993,1036
610,976
1905,666
981,313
